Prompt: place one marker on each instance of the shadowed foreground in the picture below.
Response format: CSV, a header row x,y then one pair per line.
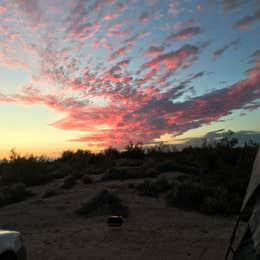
x,y
52,230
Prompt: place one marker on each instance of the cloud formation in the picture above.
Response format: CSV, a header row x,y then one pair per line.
x,y
217,53
117,72
185,34
247,21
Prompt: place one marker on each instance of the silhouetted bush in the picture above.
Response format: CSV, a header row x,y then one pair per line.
x,y
134,151
172,165
151,172
162,185
153,188
209,167
112,153
128,162
28,170
147,188
69,182
94,171
187,194
210,200
87,179
222,202
104,203
166,166
123,173
14,193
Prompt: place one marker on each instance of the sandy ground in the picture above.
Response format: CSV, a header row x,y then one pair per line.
x,y
52,231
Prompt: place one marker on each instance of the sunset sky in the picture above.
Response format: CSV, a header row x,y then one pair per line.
x,y
97,73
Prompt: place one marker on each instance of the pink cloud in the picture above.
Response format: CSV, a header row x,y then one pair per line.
x,y
118,53
144,114
173,60
111,16
109,96
144,18
154,51
245,22
173,7
185,34
124,63
2,9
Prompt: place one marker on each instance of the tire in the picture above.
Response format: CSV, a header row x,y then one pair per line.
x,y
8,256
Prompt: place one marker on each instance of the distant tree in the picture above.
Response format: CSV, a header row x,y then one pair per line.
x,y
111,153
134,151
227,141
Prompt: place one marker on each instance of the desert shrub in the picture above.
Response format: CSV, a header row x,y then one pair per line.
x,y
165,166
69,182
103,203
74,163
28,170
134,151
14,193
151,172
93,171
221,202
128,162
87,179
147,188
172,165
191,194
123,173
111,153
182,178
162,185
58,174
187,194
153,188
150,163
50,193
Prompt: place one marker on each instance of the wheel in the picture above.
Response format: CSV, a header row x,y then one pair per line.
x,y
8,256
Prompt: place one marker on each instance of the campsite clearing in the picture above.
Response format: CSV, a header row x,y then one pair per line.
x,y
153,231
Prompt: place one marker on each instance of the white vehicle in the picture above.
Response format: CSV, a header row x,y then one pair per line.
x,y
11,246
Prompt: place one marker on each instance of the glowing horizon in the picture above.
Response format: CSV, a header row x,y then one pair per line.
x,y
92,74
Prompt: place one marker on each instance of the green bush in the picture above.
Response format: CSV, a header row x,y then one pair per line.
x,y
104,203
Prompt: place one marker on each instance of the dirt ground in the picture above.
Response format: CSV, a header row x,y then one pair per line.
x,y
52,231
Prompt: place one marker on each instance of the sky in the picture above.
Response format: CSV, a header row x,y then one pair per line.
x,y
91,74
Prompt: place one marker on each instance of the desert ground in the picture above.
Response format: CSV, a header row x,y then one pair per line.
x,y
51,229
